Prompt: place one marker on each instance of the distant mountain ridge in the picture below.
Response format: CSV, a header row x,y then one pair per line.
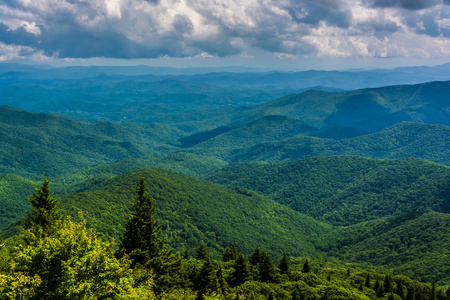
x,y
406,139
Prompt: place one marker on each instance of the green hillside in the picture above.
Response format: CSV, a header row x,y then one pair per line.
x,y
431,142
194,210
14,189
33,143
266,129
344,190
415,245
13,198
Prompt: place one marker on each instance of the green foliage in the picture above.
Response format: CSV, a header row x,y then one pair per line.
x,y
193,210
144,242
284,265
45,211
426,141
202,253
230,253
345,190
13,198
70,263
415,245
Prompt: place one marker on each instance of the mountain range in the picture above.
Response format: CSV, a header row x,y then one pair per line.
x,y
296,163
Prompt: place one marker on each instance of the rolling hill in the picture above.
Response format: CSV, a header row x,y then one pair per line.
x,y
407,139
194,211
33,143
345,190
415,245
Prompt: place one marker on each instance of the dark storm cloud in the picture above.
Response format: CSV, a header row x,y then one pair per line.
x,y
313,13
408,4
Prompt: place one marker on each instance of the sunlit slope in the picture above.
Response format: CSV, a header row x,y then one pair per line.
x,y
416,245
345,190
34,143
193,210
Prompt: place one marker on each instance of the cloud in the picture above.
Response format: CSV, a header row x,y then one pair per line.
x,y
408,4
204,28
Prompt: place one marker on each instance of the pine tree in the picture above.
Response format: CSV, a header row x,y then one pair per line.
x,y
221,282
367,283
433,291
242,271
379,289
306,268
230,253
144,241
206,280
45,210
202,253
388,284
256,257
284,265
266,269
391,296
400,289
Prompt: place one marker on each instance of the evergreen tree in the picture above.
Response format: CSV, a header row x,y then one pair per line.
x,y
306,268
242,271
284,265
367,283
388,284
297,294
221,282
256,257
45,211
202,253
266,268
206,280
230,253
144,241
400,290
433,291
391,296
379,289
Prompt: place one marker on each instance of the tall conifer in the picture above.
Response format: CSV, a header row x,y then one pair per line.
x,y
45,210
284,265
144,241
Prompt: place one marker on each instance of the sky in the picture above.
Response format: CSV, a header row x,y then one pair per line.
x,y
274,34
